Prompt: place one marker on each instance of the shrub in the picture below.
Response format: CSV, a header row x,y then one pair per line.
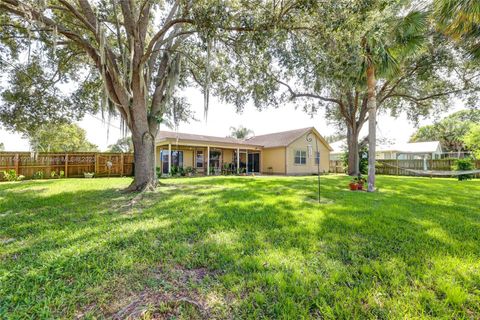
x,y
10,175
181,171
464,165
174,170
158,170
190,171
62,174
53,174
38,175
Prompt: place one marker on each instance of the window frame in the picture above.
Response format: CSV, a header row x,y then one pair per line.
x,y
302,155
317,157
202,159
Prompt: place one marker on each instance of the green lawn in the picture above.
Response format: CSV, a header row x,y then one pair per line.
x,y
240,247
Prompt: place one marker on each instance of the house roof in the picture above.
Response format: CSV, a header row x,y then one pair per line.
x,y
278,139
415,147
412,147
284,138
163,135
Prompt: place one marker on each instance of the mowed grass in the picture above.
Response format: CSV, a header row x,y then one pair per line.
x,y
240,247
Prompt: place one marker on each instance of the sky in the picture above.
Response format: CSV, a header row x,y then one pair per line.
x,y
222,116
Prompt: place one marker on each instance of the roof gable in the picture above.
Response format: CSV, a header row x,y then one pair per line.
x,y
279,139
317,134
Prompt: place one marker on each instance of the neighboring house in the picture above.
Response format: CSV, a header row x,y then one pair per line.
x,y
401,151
285,153
410,151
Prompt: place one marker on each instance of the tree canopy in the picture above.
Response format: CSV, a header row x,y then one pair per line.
x,y
324,66
132,57
472,139
122,145
241,132
61,138
460,20
450,131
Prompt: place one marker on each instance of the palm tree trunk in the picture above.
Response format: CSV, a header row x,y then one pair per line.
x,y
372,122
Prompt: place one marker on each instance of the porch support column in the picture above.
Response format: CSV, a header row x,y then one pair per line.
x,y
238,160
169,158
246,153
208,160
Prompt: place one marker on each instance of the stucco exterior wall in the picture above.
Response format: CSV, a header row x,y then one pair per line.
x,y
274,158
227,156
310,167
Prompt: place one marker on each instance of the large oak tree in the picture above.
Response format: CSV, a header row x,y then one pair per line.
x,y
139,53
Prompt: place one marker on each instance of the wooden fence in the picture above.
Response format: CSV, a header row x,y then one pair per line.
x,y
73,165
397,167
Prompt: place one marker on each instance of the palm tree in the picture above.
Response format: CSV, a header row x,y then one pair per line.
x,y
384,52
460,21
240,133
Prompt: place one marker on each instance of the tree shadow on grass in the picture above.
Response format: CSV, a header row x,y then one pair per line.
x,y
270,255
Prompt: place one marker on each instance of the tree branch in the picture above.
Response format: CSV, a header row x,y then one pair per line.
x,y
161,33
307,95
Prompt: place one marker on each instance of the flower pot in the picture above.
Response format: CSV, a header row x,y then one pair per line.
x,y
353,186
88,175
360,186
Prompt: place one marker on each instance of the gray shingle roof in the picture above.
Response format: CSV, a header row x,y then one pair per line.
x,y
278,139
162,135
271,140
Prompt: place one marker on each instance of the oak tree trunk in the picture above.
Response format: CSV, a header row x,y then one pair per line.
x,y
144,151
353,151
144,161
372,122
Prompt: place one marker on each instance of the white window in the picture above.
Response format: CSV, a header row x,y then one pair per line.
x,y
300,157
199,159
317,157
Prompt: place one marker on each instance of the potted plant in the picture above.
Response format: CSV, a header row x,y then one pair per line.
x,y
353,185
189,171
88,175
360,182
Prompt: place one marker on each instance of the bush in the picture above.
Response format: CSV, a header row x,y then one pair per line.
x,y
38,175
174,170
10,175
181,171
190,171
464,165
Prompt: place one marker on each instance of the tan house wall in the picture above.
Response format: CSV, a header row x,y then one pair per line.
x,y
310,167
227,156
274,158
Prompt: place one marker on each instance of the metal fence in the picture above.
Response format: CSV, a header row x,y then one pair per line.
x,y
397,167
73,165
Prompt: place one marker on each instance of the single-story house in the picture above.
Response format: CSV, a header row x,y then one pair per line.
x,y
291,152
400,151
